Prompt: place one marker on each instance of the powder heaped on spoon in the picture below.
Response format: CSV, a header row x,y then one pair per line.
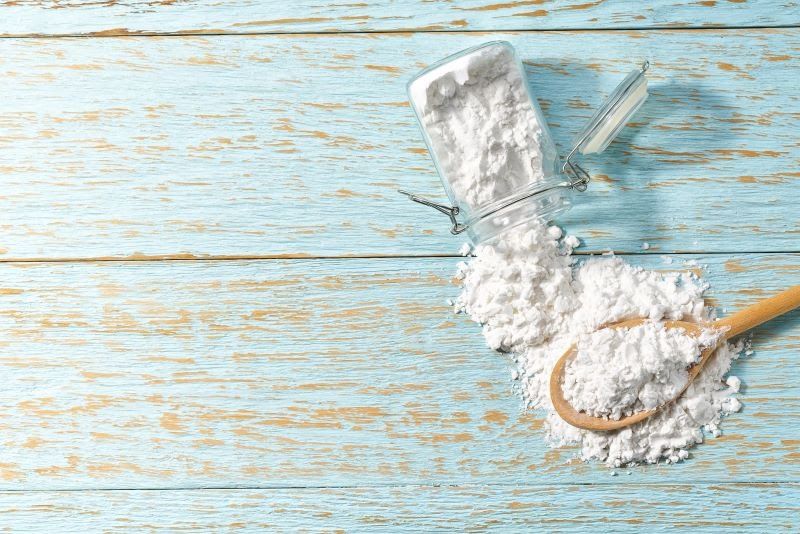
x,y
621,371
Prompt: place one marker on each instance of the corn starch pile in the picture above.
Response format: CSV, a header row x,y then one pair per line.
x,y
534,302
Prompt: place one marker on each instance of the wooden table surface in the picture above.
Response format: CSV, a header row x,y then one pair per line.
x,y
216,312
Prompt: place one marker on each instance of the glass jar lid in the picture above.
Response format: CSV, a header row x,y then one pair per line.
x,y
615,112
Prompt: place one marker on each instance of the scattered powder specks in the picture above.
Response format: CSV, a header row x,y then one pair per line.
x,y
533,301
734,382
572,242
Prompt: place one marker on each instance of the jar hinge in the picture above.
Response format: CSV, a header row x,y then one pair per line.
x,y
450,211
579,177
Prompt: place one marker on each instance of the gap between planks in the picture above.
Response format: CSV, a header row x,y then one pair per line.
x,y
254,487
143,258
222,33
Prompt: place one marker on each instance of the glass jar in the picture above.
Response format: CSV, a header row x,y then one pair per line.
x,y
491,145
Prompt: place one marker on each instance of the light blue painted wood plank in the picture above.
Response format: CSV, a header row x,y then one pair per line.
x,y
618,508
296,145
202,16
317,372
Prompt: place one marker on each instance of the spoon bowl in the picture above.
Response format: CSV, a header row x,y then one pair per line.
x,y
729,327
589,422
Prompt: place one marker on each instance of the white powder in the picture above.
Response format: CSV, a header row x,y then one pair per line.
x,y
530,298
520,298
620,371
481,125
532,301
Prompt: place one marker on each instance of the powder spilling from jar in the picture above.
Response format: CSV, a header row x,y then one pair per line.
x,y
534,303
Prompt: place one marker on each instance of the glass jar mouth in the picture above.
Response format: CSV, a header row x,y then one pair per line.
x,y
489,211
531,192
542,207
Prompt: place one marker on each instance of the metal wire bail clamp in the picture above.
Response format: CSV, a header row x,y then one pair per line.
x,y
579,182
450,211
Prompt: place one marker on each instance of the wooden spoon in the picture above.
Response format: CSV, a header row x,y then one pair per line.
x,y
738,323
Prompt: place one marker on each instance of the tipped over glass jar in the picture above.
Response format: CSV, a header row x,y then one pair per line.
x,y
491,145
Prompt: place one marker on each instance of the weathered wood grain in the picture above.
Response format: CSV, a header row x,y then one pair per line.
x,y
57,17
617,507
294,373
338,374
295,144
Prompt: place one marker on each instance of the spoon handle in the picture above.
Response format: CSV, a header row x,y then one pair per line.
x,y
760,312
